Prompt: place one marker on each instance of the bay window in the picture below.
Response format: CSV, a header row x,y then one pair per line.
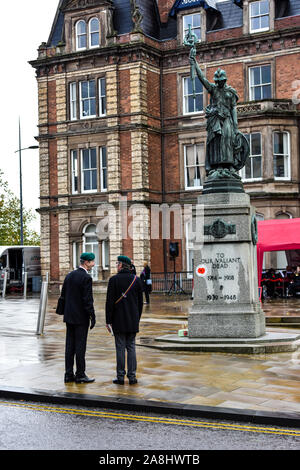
x,y
281,155
253,168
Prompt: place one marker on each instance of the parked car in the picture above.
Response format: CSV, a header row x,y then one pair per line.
x,y
16,260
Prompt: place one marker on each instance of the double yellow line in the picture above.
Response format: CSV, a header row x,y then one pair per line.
x,y
156,420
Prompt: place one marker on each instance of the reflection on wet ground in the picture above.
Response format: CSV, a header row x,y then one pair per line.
x,y
268,382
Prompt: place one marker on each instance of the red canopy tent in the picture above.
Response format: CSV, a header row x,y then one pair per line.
x,y
276,235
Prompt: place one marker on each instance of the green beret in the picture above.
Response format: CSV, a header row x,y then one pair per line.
x,y
124,259
87,256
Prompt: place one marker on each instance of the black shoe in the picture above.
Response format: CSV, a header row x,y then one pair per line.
x,y
118,382
69,378
133,381
84,380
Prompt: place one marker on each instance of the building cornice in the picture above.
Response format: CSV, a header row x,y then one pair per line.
x,y
208,51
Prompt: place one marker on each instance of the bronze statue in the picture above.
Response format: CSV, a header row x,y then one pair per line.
x,y
226,147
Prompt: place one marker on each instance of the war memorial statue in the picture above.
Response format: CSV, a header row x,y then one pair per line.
x,y
226,302
227,149
226,313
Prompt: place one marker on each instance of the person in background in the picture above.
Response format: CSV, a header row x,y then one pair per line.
x,y
77,292
294,287
124,306
147,282
271,282
132,268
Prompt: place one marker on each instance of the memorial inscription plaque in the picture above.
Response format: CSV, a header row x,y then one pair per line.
x,y
224,276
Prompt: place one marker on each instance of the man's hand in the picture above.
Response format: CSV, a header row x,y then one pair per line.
x,y
109,329
93,322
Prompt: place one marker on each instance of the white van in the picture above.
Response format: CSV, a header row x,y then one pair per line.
x,y
17,260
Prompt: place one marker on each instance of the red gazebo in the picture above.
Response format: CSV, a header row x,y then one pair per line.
x,y
276,235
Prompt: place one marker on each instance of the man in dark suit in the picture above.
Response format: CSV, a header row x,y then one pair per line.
x,y
78,315
124,305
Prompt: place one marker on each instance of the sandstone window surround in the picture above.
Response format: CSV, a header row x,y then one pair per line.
x,y
87,99
89,170
87,34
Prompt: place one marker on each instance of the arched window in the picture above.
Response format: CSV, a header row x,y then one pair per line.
x,y
81,37
94,33
91,245
259,216
284,215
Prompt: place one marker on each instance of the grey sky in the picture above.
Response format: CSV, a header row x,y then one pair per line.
x,y
21,34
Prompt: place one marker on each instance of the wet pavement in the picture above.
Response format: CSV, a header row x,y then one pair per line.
x,y
263,383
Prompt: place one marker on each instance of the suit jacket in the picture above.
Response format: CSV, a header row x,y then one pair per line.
x,y
77,291
125,315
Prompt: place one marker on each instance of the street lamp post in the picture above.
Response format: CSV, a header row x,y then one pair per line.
x,y
20,176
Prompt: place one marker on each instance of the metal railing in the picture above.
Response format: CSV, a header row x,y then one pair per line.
x,y
170,282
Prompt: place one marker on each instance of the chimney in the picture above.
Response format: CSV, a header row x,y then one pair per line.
x,y
164,7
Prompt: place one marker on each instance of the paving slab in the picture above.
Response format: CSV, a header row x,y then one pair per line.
x,y
249,387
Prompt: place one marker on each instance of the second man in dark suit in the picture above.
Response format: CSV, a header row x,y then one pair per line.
x,y
79,314
124,305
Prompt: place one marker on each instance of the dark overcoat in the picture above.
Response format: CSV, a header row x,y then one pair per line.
x,y
77,292
125,315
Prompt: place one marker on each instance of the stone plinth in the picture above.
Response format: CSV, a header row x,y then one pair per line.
x,y
226,303
271,342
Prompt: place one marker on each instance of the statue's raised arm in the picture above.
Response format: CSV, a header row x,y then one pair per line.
x,y
200,74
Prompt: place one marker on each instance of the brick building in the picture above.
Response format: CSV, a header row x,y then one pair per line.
x,y
117,121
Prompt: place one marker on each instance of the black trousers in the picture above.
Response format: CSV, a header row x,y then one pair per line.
x,y
76,338
147,290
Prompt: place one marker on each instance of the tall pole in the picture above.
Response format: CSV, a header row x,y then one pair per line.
x,y
21,190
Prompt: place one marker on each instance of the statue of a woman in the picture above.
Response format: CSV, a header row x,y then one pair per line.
x,y
226,149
